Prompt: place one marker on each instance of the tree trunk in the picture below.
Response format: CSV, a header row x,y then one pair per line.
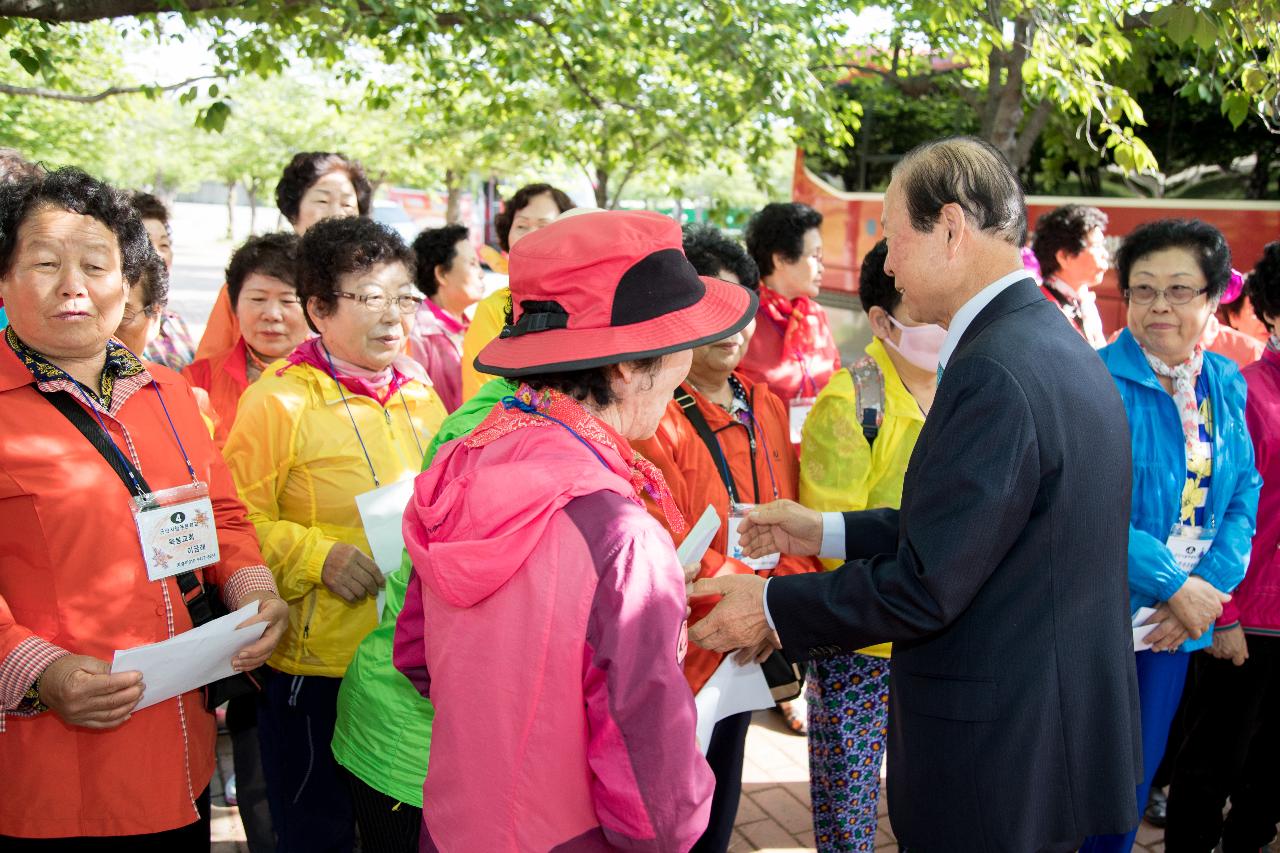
x,y
602,187
254,186
231,210
453,188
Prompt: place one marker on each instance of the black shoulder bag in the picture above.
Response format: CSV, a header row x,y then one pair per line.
x,y
785,678
203,603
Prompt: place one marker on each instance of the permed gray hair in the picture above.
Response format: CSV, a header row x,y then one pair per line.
x,y
967,171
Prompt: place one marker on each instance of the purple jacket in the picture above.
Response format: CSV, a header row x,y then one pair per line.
x,y
545,621
1255,603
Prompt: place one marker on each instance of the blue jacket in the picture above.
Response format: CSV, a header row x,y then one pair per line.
x,y
1160,472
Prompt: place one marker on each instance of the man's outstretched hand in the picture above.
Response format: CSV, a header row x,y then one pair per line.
x,y
737,621
781,527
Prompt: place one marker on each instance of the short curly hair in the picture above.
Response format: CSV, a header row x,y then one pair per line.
x,y
1263,285
711,252
436,247
307,167
75,191
1065,229
875,286
150,207
274,255
333,248
518,202
1201,239
14,167
154,282
778,228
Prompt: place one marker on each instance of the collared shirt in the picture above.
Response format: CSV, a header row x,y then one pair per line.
x,y
120,368
971,309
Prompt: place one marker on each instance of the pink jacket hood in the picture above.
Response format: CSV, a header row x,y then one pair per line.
x,y
478,512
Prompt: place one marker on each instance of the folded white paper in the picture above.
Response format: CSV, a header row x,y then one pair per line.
x,y
731,690
174,666
382,514
1140,631
699,538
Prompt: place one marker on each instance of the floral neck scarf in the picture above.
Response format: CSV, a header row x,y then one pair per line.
x,y
120,364
1184,378
804,334
547,408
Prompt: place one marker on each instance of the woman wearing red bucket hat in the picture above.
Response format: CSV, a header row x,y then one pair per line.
x,y
555,602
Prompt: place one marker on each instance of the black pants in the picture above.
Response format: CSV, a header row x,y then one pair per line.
x,y
724,755
251,786
1232,749
386,824
192,838
310,805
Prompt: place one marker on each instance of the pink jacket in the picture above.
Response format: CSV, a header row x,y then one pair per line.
x,y
553,659
439,351
1255,603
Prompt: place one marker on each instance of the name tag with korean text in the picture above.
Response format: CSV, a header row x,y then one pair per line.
x,y
176,530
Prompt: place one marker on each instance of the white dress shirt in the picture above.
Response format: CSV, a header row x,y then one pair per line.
x,y
833,544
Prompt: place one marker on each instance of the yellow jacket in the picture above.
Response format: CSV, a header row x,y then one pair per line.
x,y
839,471
298,465
488,321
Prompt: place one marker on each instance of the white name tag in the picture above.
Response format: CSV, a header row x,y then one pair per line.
x,y
176,530
800,409
737,513
1188,548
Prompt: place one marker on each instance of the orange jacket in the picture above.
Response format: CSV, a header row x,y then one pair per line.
x,y
692,475
224,377
72,574
223,328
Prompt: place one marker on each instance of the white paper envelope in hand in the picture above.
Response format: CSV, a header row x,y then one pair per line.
x,y
174,666
1141,630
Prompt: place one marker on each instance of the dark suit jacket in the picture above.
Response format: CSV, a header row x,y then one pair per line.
x,y
1002,582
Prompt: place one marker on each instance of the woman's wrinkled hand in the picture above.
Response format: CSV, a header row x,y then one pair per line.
x,y
83,692
272,610
1197,604
349,574
1169,633
1230,644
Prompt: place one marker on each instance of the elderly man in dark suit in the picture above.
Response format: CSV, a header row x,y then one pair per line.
x,y
1002,581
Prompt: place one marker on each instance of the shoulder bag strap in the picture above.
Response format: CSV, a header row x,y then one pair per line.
x,y
690,408
193,593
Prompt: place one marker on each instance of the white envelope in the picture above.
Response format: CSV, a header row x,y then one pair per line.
x,y
1140,631
731,690
174,666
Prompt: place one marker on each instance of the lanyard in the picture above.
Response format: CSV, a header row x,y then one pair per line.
x,y
333,374
93,407
529,409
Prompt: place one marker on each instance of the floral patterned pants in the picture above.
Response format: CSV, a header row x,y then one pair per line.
x,y
848,709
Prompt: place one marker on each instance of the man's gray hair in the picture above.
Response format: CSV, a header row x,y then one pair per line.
x,y
967,171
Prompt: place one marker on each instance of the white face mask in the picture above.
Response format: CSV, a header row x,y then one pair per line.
x,y
919,345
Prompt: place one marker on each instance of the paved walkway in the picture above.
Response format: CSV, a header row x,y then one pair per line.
x,y
773,816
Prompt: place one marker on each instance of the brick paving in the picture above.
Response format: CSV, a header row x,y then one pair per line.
x,y
773,815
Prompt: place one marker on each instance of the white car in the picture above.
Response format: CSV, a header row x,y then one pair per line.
x,y
390,213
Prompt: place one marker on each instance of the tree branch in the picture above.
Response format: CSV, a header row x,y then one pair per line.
x,y
80,11
565,61
55,95
83,11
1031,132
914,85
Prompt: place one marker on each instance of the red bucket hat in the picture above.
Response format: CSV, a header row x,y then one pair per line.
x,y
606,287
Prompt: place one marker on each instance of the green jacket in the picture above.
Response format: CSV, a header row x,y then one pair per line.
x,y
383,733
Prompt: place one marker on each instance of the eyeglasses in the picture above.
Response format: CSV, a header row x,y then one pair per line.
x,y
377,302
1179,294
